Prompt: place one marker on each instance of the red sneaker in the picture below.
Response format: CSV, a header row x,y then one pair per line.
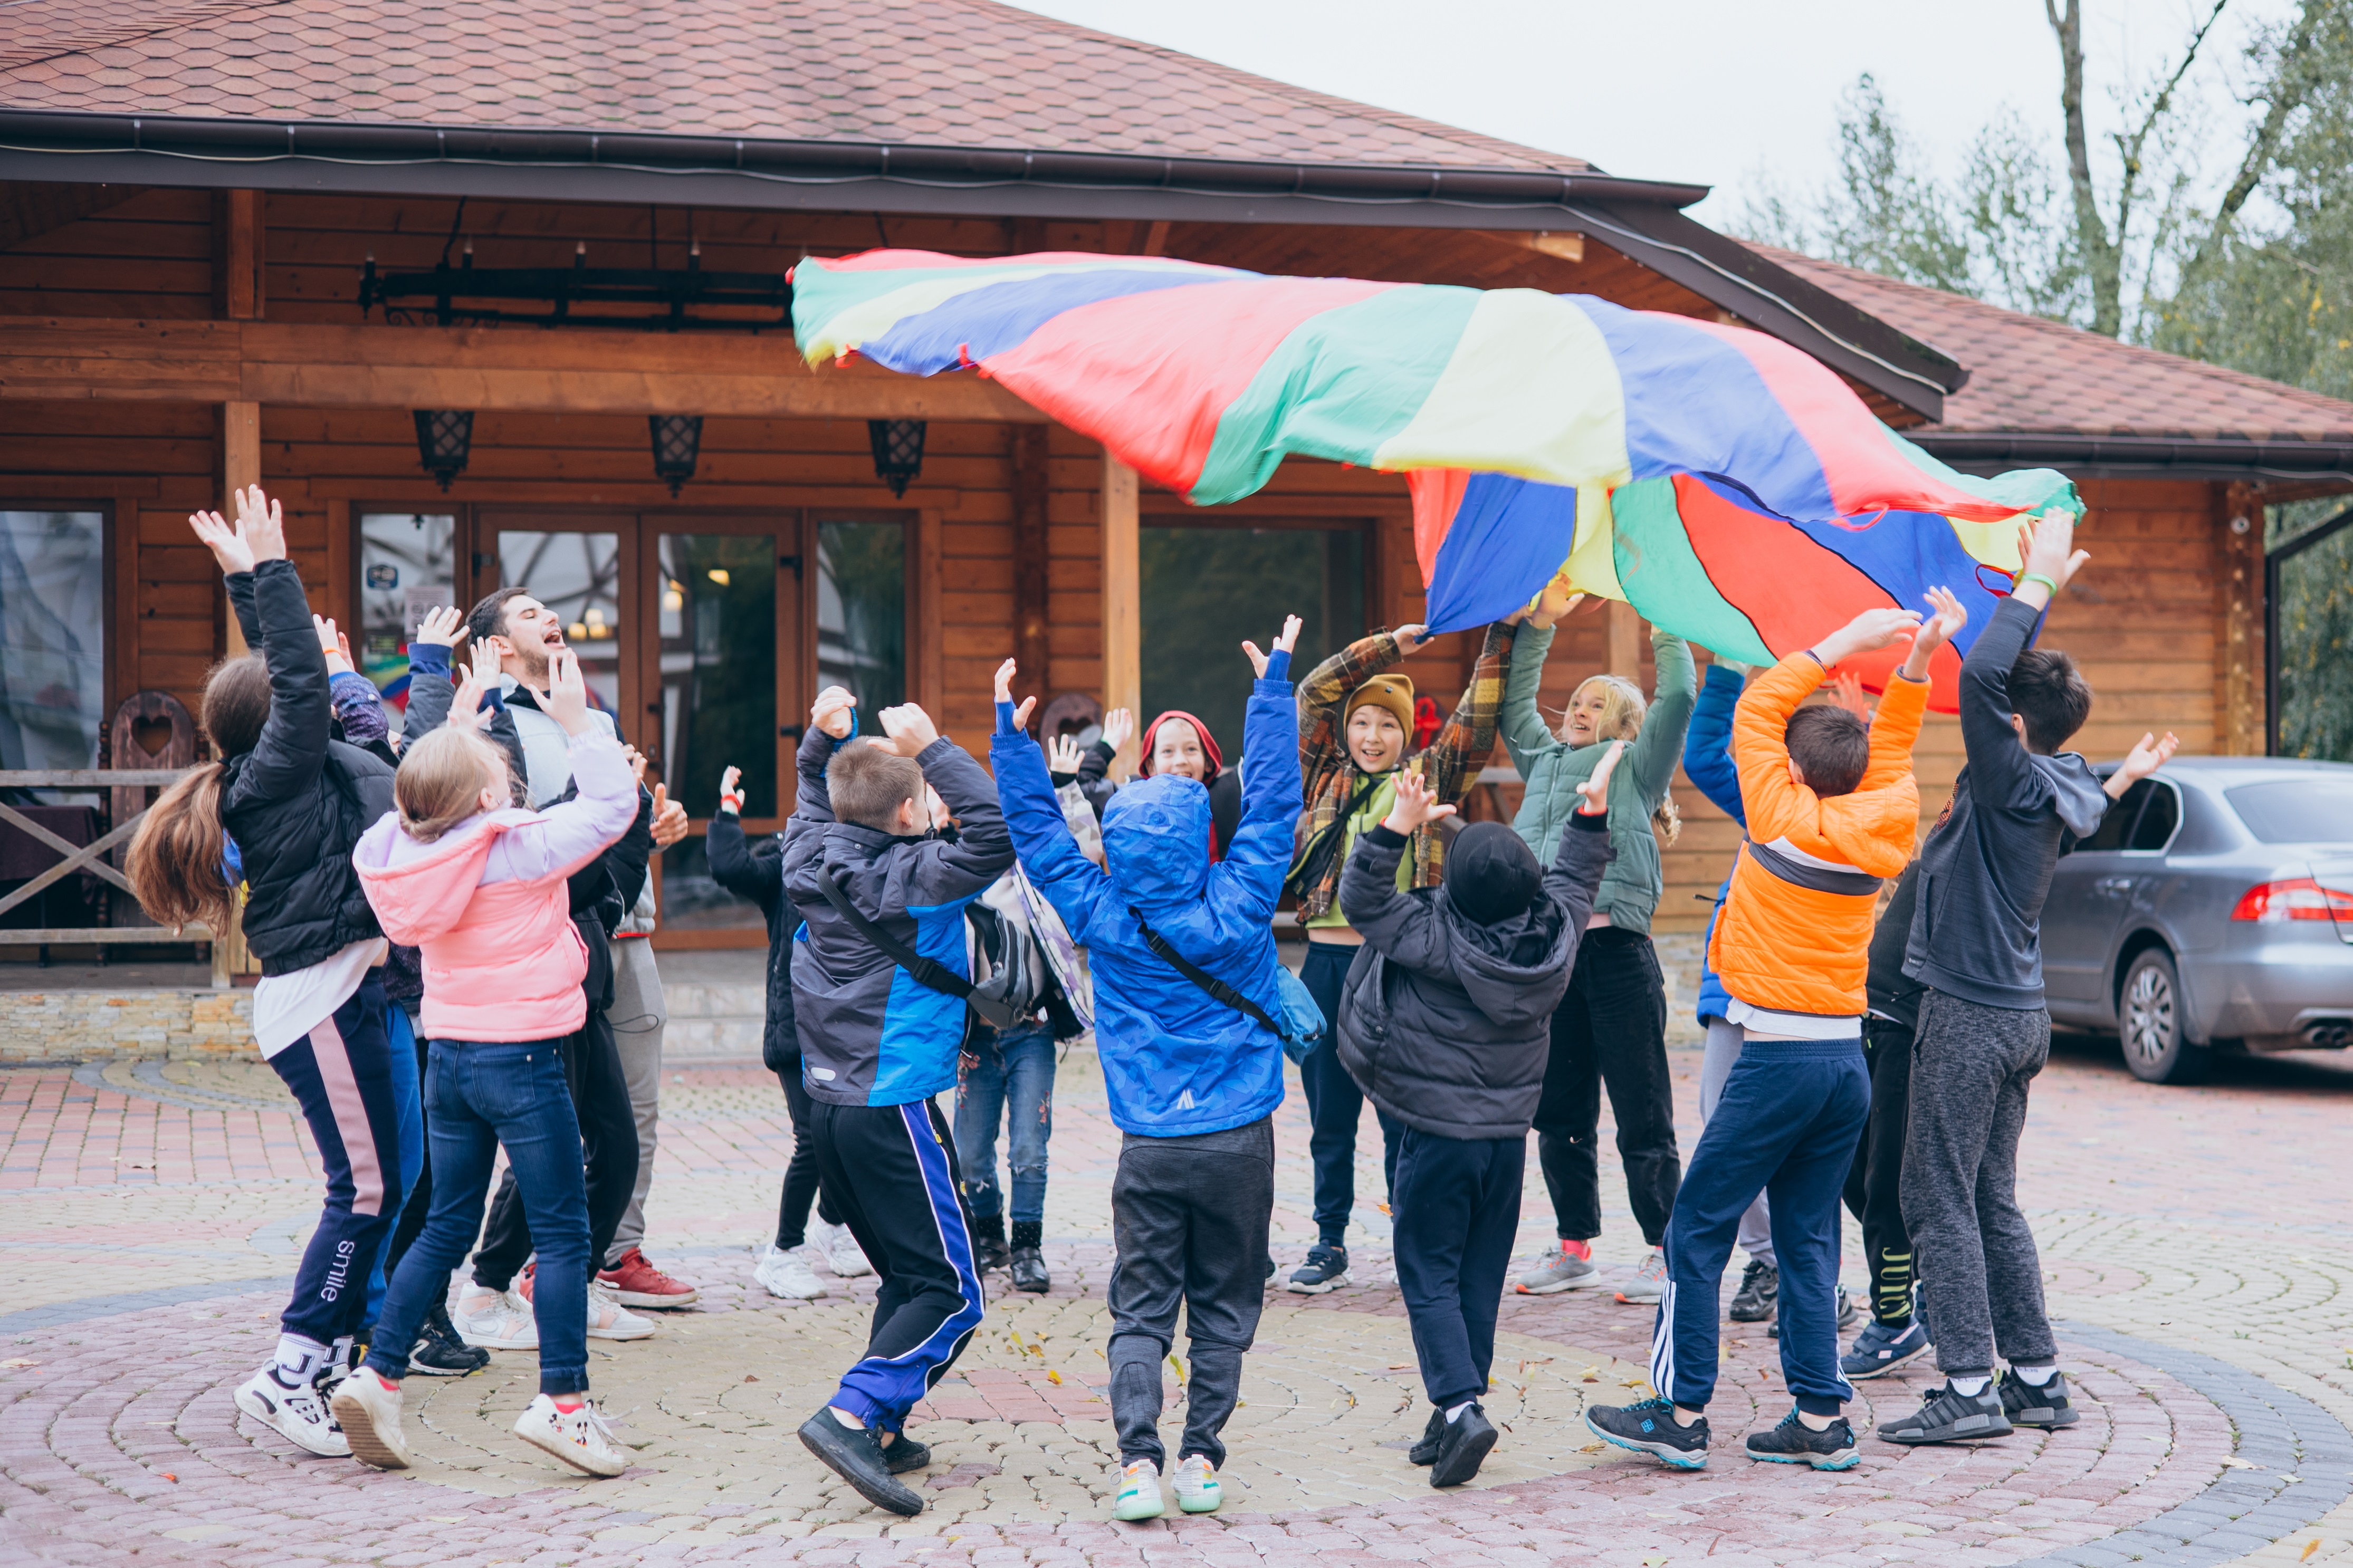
x,y
637,1283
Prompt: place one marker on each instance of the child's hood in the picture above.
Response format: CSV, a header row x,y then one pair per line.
x,y
1510,970
1156,835
2076,790
420,891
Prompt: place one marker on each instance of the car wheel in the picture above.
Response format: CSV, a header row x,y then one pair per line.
x,y
2149,1016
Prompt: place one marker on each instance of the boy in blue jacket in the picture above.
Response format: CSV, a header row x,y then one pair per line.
x,y
878,1041
1193,1082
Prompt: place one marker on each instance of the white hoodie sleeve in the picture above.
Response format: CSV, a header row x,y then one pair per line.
x,y
568,836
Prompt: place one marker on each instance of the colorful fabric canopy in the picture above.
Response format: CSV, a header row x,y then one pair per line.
x,y
1736,489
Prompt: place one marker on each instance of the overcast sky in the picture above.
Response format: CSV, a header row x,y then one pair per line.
x,y
1721,92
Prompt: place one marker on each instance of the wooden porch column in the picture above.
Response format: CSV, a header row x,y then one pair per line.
x,y
240,467
1030,646
237,290
2241,730
1625,641
1123,600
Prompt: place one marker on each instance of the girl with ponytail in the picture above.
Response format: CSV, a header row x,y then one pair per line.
x,y
278,810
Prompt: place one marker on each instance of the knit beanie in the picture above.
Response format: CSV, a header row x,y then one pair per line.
x,y
1491,873
1392,692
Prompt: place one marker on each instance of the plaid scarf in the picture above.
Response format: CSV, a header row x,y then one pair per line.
x,y
1450,765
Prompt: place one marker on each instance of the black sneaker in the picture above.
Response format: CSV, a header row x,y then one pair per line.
x,y
1649,1427
857,1457
1879,1350
988,1250
440,1353
1326,1269
1462,1445
902,1454
1795,1443
1426,1451
1948,1417
1845,1320
1029,1271
2028,1405
1760,1287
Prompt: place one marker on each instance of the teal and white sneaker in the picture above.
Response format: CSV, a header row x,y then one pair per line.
x,y
1197,1484
1649,1427
1139,1492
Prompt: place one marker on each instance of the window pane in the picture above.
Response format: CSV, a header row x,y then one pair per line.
x,y
861,613
718,622
2296,811
1207,589
577,576
691,900
405,568
2118,822
52,641
2158,821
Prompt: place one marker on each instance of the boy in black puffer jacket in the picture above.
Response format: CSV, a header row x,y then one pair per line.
x,y
1445,1023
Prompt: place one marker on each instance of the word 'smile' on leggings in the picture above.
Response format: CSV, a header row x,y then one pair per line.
x,y
800,1173
608,1136
1610,1028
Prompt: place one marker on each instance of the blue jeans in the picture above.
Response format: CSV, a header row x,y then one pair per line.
x,y
1012,1076
407,1096
477,1097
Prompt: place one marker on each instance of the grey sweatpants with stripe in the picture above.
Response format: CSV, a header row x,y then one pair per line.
x,y
1979,1266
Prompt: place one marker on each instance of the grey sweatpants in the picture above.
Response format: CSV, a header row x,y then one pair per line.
x,y
1715,1067
637,1016
1978,1268
1189,1220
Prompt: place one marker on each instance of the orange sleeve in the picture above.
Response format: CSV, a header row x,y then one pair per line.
x,y
1760,749
1895,726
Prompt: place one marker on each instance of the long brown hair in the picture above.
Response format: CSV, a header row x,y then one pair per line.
x,y
178,860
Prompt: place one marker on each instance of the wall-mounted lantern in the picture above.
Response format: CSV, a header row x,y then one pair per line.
x,y
898,451
678,447
445,440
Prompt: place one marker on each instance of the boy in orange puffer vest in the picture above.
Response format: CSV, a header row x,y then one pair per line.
x,y
1832,810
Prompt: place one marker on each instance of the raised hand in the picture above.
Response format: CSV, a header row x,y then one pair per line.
x,y
636,760
2046,548
1949,616
1410,637
566,697
1004,682
331,644
1118,728
2142,761
833,711
1594,792
1063,754
1283,643
1417,803
1868,632
229,545
669,818
439,627
1029,705
910,729
1846,691
731,791
467,710
263,522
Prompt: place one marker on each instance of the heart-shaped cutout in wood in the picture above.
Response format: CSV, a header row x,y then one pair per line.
x,y
150,735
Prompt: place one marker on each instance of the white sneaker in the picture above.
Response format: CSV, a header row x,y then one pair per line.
x,y
788,1275
370,1414
1139,1492
579,1437
298,1415
840,1249
1650,1281
499,1323
608,1320
1197,1484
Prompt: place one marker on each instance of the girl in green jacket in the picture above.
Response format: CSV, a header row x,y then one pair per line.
x,y
1611,1026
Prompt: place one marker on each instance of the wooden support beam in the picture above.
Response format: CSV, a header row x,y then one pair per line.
x,y
2243,727
1625,641
238,292
1123,600
1030,643
240,467
321,366
931,665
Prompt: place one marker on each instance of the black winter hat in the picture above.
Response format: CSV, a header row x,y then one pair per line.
x,y
1491,873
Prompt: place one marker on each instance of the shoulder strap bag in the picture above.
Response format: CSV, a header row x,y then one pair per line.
x,y
926,971
1302,1026
1315,859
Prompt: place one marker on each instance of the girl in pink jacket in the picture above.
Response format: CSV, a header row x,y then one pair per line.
x,y
477,886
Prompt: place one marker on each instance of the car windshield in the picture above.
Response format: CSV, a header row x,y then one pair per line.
x,y
2305,810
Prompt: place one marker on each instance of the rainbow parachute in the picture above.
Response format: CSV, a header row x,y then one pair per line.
x,y
1728,486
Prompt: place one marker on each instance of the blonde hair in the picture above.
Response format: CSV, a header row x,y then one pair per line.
x,y
441,781
1623,709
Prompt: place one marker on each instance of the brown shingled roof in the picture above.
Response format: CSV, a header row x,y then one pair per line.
x,y
2030,376
961,73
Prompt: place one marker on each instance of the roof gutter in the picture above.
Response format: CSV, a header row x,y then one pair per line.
x,y
2143,456
332,155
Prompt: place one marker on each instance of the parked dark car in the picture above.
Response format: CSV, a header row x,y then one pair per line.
x,y
2211,911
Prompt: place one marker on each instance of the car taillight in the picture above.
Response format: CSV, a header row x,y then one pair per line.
x,y
2296,899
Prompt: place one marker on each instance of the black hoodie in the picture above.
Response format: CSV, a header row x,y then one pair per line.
x,y
1446,1025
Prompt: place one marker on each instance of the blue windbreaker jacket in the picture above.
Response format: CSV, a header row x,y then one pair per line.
x,y
1177,1061
1707,762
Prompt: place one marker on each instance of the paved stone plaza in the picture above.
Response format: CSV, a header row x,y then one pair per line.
x,y
2195,1241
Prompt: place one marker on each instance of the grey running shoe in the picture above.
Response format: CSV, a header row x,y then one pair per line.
x,y
2029,1406
1563,1271
1760,1287
1650,1281
1795,1443
1326,1269
1947,1415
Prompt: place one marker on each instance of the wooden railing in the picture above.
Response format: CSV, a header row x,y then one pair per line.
x,y
92,858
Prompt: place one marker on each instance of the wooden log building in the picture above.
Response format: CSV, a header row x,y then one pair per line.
x,y
277,244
